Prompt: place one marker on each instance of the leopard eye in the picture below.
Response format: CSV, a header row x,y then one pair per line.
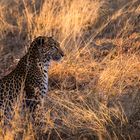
x,y
54,48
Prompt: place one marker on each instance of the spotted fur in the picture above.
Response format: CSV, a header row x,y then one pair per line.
x,y
31,72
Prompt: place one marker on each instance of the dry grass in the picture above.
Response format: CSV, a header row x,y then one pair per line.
x,y
102,60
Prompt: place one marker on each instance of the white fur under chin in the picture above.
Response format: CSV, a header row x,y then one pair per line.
x,y
45,80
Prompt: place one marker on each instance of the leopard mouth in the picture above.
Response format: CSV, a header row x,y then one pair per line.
x,y
57,57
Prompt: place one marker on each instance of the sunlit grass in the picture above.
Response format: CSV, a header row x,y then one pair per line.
x,y
77,106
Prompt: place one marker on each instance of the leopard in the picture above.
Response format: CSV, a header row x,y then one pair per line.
x,y
31,73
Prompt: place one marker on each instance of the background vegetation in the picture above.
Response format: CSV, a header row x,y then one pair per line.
x,y
94,92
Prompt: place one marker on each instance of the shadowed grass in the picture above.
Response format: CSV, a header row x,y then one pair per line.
x,y
101,45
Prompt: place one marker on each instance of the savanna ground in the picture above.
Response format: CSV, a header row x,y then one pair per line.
x,y
94,92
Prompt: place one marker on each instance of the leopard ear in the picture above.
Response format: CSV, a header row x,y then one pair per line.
x,y
39,40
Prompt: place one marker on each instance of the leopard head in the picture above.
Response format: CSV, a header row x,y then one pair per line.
x,y
48,48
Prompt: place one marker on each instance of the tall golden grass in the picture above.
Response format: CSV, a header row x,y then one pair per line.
x,y
76,106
